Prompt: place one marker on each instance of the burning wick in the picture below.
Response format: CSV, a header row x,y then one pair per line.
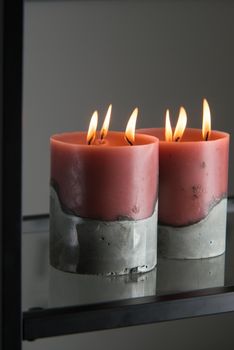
x,y
92,128
206,121
105,126
180,126
179,129
130,128
91,140
127,139
168,129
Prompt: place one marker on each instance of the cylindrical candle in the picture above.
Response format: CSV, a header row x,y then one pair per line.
x,y
106,194
193,176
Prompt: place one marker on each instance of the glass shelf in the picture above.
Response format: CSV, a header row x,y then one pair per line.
x,y
55,302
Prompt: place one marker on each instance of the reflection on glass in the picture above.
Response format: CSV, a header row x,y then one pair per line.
x,y
184,275
74,289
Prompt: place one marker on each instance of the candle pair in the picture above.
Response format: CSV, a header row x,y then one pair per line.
x,y
104,200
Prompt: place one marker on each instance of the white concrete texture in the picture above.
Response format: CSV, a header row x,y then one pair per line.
x,y
101,247
204,239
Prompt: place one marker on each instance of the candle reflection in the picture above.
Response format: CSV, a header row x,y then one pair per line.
x,y
184,275
74,289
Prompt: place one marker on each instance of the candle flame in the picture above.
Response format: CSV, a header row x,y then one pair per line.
x,y
181,125
92,128
105,126
168,129
131,126
206,122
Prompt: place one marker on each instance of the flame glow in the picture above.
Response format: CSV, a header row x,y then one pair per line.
x,y
105,126
131,126
206,122
181,125
92,128
168,129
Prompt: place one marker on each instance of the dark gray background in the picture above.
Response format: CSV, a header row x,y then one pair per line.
x,y
79,56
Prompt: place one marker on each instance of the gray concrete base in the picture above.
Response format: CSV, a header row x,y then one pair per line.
x,y
101,247
204,239
75,289
176,275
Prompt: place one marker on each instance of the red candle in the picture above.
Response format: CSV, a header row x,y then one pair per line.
x,y
193,175
107,180
104,200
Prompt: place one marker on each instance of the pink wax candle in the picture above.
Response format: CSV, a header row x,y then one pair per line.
x,y
107,180
193,175
104,189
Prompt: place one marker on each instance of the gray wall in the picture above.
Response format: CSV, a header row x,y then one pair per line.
x,y
80,56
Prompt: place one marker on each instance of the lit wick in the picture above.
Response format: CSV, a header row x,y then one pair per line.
x,y
130,128
105,126
127,139
206,121
181,125
92,128
168,129
91,140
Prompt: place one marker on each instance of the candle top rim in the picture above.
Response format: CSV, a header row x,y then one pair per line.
x,y
216,134
144,139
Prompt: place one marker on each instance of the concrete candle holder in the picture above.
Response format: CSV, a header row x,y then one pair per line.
x,y
101,247
103,214
204,239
